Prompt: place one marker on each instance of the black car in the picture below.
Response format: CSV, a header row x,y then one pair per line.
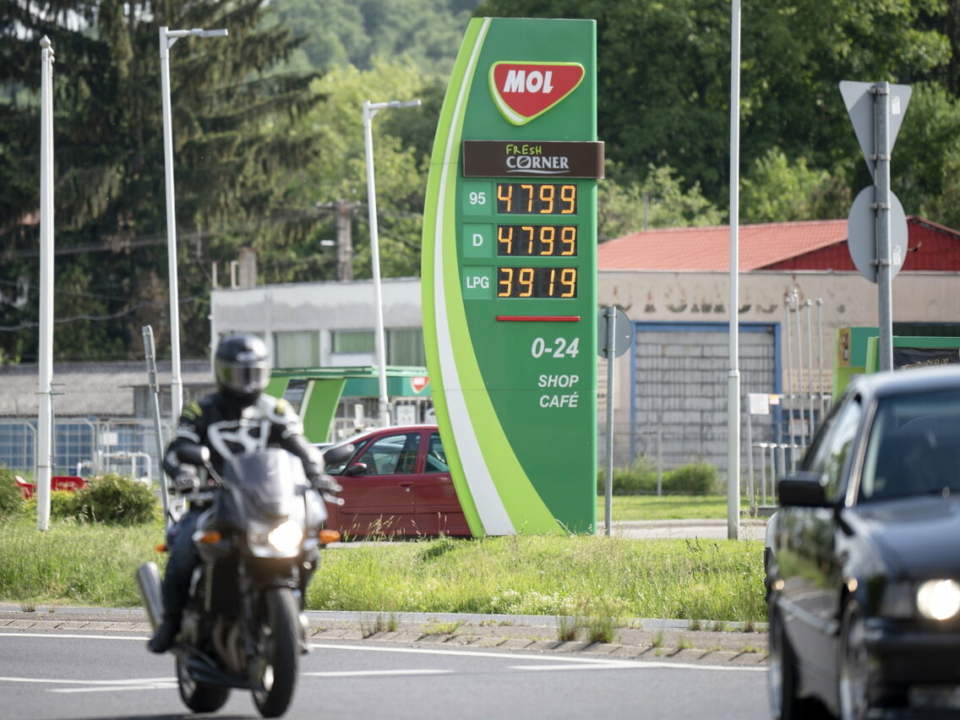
x,y
863,568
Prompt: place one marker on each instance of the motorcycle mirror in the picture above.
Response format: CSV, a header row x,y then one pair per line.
x,y
192,454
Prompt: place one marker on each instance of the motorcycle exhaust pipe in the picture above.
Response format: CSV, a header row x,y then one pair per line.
x,y
148,581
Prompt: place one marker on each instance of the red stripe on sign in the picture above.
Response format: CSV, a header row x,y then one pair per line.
x,y
538,318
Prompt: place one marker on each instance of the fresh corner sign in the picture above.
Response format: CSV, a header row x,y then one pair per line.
x,y
509,275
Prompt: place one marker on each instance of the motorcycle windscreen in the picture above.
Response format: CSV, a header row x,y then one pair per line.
x,y
269,480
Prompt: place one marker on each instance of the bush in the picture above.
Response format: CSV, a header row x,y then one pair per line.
x,y
11,499
694,479
63,505
640,479
115,499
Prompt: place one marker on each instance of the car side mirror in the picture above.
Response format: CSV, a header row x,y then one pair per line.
x,y
804,489
356,469
338,454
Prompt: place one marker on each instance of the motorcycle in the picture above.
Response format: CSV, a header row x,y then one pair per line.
x,y
258,539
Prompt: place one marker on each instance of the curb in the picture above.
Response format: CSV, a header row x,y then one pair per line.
x,y
733,644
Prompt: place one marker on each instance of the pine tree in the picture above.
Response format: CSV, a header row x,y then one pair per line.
x,y
237,152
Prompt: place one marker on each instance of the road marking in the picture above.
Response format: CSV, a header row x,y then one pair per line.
x,y
642,665
87,686
375,673
168,685
599,663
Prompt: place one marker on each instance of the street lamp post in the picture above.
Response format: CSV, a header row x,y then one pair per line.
x,y
167,39
369,110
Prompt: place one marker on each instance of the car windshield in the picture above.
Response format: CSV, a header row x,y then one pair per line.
x,y
913,447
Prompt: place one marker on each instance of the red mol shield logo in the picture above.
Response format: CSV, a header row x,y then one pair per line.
x,y
524,91
419,383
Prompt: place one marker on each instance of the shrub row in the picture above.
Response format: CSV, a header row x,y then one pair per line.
x,y
641,479
112,499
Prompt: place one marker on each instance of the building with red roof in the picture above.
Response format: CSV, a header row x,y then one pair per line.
x,y
797,288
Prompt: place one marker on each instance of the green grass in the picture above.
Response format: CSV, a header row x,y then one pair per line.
x,y
666,507
603,581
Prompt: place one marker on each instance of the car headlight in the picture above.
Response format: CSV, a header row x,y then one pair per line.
x,y
939,599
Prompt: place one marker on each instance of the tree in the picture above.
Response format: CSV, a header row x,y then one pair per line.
x,y
345,32
401,160
664,75
658,202
777,191
236,148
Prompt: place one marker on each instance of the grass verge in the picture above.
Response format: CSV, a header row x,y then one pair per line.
x,y
605,579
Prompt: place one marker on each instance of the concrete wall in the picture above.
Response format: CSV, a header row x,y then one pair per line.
x,y
319,307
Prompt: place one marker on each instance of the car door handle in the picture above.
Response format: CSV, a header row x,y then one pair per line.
x,y
406,485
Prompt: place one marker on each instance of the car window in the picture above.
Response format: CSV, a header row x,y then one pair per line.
x,y
912,448
829,453
392,455
436,457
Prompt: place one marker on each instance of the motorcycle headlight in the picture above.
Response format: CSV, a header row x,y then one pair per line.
x,y
286,537
284,540
939,599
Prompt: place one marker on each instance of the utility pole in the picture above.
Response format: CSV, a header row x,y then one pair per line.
x,y
344,223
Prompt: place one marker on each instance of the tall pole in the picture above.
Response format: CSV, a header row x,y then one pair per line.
x,y
733,390
789,355
369,110
883,200
610,318
45,399
796,307
167,39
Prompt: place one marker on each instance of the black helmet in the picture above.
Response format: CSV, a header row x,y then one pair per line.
x,y
241,368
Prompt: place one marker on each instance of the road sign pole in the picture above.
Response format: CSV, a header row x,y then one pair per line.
x,y
611,320
882,183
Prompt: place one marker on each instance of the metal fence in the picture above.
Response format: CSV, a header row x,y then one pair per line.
x,y
85,447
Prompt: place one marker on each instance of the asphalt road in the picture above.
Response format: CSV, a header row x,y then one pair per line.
x,y
64,675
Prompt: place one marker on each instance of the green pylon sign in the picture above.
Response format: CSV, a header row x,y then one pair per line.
x,y
509,275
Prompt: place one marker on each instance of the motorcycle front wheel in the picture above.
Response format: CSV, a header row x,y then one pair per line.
x,y
273,671
197,697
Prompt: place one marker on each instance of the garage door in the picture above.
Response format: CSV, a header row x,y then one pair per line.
x,y
680,379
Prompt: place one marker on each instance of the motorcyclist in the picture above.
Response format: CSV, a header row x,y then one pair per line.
x,y
235,419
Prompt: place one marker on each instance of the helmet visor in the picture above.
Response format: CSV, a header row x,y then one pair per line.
x,y
244,379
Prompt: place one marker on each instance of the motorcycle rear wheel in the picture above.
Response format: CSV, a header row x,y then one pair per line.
x,y
273,672
197,697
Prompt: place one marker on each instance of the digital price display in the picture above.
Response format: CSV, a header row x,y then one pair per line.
x,y
536,282
536,199
537,240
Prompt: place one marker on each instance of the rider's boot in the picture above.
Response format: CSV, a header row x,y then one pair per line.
x,y
165,634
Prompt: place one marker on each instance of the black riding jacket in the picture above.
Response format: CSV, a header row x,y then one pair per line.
x,y
228,429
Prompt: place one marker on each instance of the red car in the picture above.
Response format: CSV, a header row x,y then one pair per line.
x,y
397,482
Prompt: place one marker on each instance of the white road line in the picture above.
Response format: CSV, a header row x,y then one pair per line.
x,y
69,636
601,663
170,685
64,681
375,673
643,665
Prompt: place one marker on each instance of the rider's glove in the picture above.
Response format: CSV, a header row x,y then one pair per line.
x,y
325,483
186,481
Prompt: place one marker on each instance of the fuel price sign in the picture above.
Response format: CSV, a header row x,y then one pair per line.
x,y
509,275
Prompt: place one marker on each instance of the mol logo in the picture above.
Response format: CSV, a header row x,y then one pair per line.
x,y
524,91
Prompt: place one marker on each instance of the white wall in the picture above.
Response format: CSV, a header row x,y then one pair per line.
x,y
321,307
